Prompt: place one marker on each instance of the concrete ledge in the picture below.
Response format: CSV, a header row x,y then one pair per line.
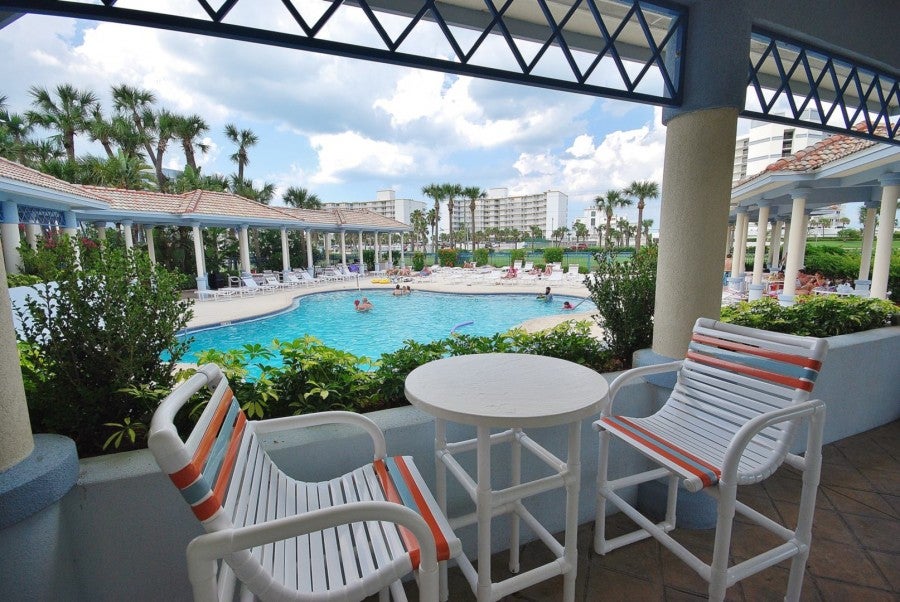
x,y
39,480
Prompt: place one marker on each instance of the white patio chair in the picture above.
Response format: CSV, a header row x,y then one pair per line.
x,y
277,538
740,397
272,280
253,287
573,275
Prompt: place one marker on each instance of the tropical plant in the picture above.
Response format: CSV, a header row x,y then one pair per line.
x,y
436,192
450,192
581,231
301,198
642,191
68,113
189,130
817,316
97,332
419,224
608,204
244,140
473,193
625,294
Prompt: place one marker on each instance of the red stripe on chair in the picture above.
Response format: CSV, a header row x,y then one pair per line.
x,y
212,429
443,548
207,508
185,476
230,456
797,360
659,445
755,372
390,492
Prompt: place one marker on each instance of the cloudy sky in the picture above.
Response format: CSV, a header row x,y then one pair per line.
x,y
344,128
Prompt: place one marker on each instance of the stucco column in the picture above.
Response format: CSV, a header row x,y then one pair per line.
x,y
361,247
32,231
101,230
402,252
69,227
16,442
285,251
344,248
151,244
775,245
326,247
197,232
739,259
796,240
309,255
699,163
890,190
129,236
729,239
377,253
390,250
244,245
9,236
868,237
759,259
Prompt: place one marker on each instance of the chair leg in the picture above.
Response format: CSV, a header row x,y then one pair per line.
x,y
719,566
602,468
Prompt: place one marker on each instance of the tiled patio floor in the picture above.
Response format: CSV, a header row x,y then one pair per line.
x,y
855,552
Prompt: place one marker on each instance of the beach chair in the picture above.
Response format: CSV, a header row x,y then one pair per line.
x,y
272,280
740,397
275,537
556,276
572,274
252,287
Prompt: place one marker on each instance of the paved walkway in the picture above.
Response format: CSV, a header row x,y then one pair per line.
x,y
855,551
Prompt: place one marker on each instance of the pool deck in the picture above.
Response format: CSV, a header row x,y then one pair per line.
x,y
208,313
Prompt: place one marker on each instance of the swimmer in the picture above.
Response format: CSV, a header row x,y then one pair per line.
x,y
567,305
397,291
546,297
364,305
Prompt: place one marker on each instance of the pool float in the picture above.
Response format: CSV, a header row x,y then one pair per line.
x,y
381,281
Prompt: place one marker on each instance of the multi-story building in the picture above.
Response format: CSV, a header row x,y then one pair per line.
x,y
546,210
387,204
595,220
768,142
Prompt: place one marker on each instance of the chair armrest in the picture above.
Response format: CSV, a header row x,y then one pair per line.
x,y
633,374
746,433
274,425
204,550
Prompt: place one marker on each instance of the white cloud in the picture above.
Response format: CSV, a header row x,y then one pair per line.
x,y
347,152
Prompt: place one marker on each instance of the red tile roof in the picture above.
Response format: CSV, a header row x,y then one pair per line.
x,y
17,172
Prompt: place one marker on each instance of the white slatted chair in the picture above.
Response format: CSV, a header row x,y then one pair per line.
x,y
741,395
282,539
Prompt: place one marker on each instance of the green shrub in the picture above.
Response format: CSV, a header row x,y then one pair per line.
x,y
818,316
834,262
418,261
14,280
553,255
369,259
482,256
93,346
625,293
448,258
516,255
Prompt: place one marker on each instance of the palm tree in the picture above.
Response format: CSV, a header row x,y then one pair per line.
x,y
581,231
301,198
608,205
473,193
449,192
68,113
138,104
161,127
432,218
536,233
244,139
559,234
189,130
191,179
646,224
14,130
642,190
419,224
436,192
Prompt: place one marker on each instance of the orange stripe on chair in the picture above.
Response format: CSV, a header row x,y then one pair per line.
x,y
409,540
207,508
797,360
230,456
755,372
443,548
212,429
185,476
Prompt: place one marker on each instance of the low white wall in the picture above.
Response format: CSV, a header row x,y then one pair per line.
x,y
127,527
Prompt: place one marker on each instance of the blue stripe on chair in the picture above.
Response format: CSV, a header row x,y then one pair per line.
x,y
196,491
400,484
214,461
762,363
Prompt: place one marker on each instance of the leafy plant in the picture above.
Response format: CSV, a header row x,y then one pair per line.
x,y
14,280
418,261
482,256
624,293
448,257
94,336
818,316
553,255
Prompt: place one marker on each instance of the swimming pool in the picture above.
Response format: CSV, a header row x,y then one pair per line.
x,y
422,316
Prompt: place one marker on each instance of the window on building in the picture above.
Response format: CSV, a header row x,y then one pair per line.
x,y
787,142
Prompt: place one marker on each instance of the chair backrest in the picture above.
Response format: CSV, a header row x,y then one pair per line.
x,y
271,279
573,269
733,373
249,282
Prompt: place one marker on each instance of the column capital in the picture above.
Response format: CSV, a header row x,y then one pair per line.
x,y
890,179
740,209
800,193
69,219
127,222
9,212
764,203
872,204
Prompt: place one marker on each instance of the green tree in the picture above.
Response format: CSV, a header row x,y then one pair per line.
x,y
99,331
189,130
608,204
244,140
450,192
67,113
536,233
301,198
646,224
137,104
419,223
581,231
14,130
641,191
473,193
436,192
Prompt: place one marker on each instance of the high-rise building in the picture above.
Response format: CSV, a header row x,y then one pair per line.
x,y
387,204
546,210
766,143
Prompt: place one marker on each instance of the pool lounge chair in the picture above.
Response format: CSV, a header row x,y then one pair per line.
x,y
272,280
251,286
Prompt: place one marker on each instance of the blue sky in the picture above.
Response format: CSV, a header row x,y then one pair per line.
x,y
344,128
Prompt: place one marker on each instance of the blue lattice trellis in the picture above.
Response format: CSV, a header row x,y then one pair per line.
x,y
40,215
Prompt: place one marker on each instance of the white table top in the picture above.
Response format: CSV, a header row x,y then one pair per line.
x,y
507,390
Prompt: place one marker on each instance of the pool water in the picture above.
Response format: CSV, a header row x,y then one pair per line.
x,y
421,316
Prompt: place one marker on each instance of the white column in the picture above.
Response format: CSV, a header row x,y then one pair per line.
x,y
198,255
377,253
795,247
344,248
868,237
775,250
151,245
693,214
326,247
9,236
244,244
32,231
759,259
16,442
309,256
390,250
890,190
740,245
403,251
361,262
285,251
101,230
729,239
129,236
70,229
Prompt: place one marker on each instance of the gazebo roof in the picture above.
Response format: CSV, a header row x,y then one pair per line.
x,y
32,187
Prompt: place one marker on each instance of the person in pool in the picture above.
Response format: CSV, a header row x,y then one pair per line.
x,y
397,291
364,305
567,305
546,297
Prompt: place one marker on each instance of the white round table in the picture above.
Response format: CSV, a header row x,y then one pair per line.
x,y
513,392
